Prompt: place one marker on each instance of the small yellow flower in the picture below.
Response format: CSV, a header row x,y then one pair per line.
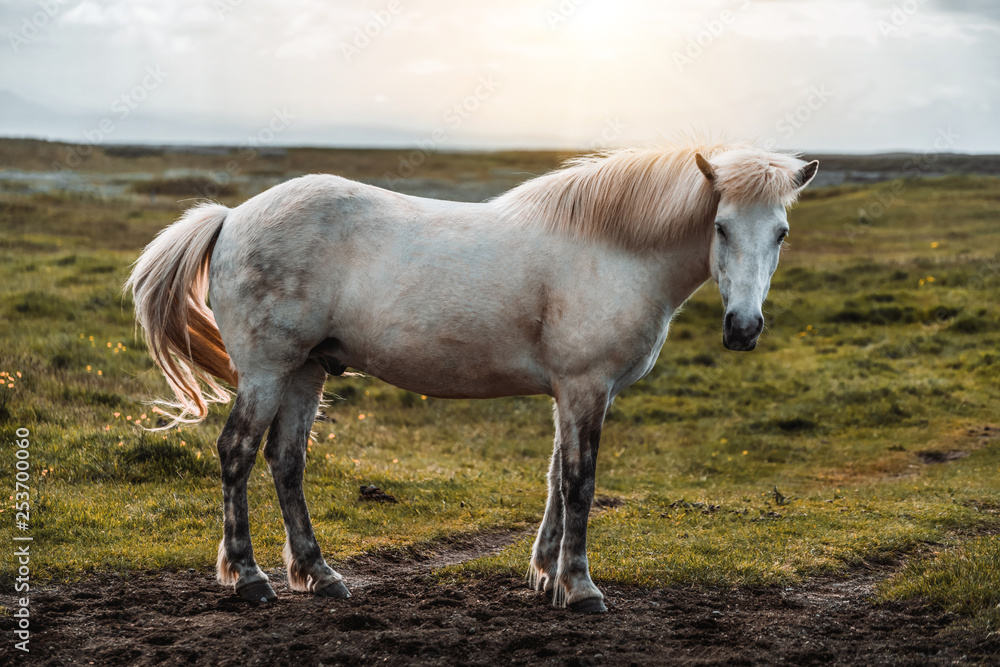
x,y
361,416
109,343
19,374
100,372
930,279
723,441
934,244
88,369
422,398
331,436
745,452
395,460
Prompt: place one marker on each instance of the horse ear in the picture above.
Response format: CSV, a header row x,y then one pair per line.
x,y
805,174
704,166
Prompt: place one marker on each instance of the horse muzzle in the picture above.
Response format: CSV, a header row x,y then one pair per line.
x,y
741,334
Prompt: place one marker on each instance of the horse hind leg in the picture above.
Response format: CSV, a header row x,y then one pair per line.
x,y
256,402
545,552
285,453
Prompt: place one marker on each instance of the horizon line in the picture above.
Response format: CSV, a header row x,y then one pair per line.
x,y
471,147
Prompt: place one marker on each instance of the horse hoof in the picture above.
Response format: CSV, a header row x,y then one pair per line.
x,y
258,591
588,606
337,590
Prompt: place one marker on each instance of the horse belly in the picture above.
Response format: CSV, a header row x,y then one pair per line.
x,y
453,365
443,342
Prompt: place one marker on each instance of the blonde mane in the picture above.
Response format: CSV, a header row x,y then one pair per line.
x,y
645,198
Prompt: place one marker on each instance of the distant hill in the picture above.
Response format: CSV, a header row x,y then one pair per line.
x,y
840,168
35,165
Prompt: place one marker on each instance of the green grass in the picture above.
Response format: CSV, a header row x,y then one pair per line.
x,y
867,370
963,580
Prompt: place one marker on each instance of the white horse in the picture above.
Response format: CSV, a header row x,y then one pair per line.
x,y
563,286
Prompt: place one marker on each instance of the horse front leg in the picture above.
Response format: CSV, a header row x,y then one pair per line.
x,y
581,416
285,453
545,552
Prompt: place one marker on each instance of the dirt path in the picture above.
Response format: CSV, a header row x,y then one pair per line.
x,y
382,567
400,615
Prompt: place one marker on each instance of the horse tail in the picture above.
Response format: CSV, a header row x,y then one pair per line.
x,y
169,283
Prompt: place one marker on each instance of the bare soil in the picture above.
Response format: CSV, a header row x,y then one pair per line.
x,y
401,615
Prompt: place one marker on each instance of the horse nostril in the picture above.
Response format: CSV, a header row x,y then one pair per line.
x,y
729,321
760,326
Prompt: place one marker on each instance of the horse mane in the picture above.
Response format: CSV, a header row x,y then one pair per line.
x,y
646,198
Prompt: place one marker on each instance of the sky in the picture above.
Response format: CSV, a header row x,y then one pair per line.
x,y
815,75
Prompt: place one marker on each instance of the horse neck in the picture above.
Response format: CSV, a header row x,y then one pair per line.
x,y
685,266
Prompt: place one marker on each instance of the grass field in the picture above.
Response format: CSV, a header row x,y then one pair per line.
x,y
863,429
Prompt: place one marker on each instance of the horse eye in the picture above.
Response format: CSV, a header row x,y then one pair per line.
x,y
781,238
721,231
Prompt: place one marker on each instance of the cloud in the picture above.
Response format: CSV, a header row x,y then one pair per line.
x,y
560,79
426,66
